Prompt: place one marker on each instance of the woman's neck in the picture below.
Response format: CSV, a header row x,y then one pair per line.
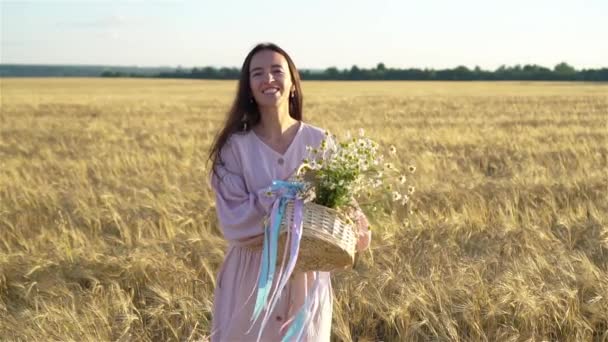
x,y
274,123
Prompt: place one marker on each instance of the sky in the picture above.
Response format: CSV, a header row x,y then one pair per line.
x,y
316,33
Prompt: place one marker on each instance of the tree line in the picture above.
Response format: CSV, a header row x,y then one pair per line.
x,y
560,72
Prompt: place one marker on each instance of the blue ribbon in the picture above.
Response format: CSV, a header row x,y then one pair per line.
x,y
287,191
296,328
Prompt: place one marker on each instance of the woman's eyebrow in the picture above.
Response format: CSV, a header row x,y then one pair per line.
x,y
272,66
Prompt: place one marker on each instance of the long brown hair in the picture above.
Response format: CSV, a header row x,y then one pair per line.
x,y
244,112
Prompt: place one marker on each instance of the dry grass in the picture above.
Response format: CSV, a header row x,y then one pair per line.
x,y
108,229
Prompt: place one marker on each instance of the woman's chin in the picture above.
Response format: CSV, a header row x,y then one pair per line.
x,y
270,103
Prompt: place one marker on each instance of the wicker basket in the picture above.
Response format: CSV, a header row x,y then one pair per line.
x,y
327,243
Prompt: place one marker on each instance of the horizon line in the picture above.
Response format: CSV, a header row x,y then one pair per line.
x,y
299,68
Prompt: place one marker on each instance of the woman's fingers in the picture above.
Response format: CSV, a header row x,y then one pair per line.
x,y
361,220
364,240
364,234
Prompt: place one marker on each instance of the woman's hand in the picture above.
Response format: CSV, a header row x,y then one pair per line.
x,y
364,235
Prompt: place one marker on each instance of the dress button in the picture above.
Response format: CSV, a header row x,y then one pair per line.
x,y
280,161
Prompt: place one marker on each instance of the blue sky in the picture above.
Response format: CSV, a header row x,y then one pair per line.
x,y
316,33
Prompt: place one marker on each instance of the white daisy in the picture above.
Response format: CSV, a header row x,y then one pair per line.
x,y
396,196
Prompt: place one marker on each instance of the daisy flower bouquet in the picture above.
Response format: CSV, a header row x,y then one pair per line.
x,y
335,174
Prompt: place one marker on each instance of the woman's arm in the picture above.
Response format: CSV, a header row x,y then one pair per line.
x,y
239,211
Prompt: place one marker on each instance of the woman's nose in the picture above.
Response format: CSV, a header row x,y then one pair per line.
x,y
268,77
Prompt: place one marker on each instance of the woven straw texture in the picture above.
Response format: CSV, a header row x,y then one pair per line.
x,y
328,242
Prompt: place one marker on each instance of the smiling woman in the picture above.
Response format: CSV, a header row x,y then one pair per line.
x,y
264,139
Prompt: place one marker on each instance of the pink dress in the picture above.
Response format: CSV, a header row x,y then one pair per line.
x,y
249,168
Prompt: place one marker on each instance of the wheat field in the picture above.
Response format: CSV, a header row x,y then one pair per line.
x,y
108,229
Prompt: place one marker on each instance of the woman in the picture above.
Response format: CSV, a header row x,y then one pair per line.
x,y
263,139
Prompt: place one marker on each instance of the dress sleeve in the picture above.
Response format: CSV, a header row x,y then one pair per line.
x,y
241,213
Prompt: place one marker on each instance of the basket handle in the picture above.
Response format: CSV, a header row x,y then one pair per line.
x,y
302,167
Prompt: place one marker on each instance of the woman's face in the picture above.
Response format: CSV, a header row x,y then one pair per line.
x,y
269,79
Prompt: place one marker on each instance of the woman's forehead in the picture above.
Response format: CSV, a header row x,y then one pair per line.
x,y
266,59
